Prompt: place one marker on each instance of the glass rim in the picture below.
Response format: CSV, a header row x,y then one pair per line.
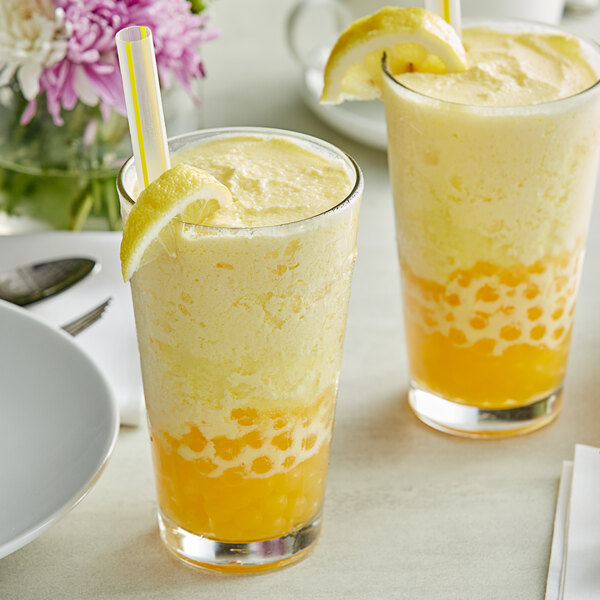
x,y
511,109
217,132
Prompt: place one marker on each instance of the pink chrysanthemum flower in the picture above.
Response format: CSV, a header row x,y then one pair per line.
x,y
89,71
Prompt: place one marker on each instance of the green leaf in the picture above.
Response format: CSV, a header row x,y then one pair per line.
x,y
198,5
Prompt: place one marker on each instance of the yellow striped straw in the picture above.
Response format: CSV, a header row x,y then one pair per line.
x,y
142,99
449,10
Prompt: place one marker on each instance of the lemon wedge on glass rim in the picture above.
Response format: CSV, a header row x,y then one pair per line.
x,y
182,192
413,39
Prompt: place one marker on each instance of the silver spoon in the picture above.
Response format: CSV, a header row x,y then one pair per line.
x,y
31,283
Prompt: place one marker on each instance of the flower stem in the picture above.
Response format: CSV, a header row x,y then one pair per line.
x,y
81,206
114,217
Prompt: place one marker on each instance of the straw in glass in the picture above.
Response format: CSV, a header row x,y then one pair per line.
x,y
449,10
144,106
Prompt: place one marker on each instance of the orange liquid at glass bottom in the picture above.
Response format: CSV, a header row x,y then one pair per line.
x,y
244,502
492,337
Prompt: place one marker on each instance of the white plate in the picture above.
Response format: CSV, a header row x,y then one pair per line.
x,y
58,426
361,121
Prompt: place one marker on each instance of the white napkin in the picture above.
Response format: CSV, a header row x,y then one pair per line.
x,y
111,342
574,571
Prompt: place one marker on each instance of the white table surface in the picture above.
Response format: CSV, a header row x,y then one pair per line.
x,y
410,513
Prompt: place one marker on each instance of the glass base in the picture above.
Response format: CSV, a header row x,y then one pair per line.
x,y
470,421
238,557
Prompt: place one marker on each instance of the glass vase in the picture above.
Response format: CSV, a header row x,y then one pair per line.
x,y
63,177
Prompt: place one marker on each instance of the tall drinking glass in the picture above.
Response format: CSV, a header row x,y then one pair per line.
x,y
240,332
492,207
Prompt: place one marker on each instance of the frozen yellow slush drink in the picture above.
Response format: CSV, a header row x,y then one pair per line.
x,y
493,172
240,324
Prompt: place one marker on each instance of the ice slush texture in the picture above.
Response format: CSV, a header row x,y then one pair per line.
x,y
241,333
492,204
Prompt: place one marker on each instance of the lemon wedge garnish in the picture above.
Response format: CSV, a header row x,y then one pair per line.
x,y
414,39
182,191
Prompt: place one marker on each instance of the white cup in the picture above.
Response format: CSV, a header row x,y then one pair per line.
x,y
544,11
314,25
360,8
